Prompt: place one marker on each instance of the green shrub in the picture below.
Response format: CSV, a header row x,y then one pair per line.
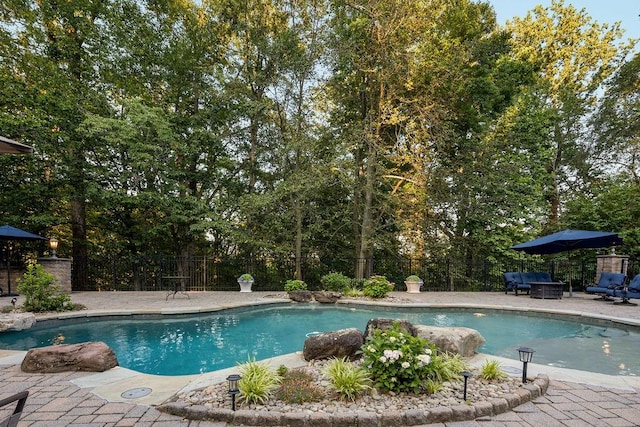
x,y
296,386
347,379
398,361
413,278
336,282
492,370
295,285
258,382
447,366
377,287
40,291
246,277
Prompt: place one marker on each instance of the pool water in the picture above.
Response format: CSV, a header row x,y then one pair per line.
x,y
180,345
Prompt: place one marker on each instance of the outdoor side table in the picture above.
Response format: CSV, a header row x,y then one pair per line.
x,y
546,290
178,285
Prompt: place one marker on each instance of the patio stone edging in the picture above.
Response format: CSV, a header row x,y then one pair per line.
x,y
410,417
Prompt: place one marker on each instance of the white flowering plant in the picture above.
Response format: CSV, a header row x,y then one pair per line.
x,y
397,361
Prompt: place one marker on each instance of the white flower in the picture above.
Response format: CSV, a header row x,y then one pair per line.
x,y
383,359
427,351
405,365
392,339
425,359
371,349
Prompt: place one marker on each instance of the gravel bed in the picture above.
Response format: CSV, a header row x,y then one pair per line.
x,y
451,394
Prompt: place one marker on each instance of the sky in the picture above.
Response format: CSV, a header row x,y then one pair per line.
x,y
609,11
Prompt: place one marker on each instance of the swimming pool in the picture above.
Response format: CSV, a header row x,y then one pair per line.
x,y
179,345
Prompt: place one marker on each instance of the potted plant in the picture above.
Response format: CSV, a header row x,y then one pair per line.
x,y
245,281
414,283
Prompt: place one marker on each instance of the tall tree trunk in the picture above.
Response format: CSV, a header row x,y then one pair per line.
x,y
79,273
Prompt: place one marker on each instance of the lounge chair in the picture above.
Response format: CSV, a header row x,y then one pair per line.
x,y
606,284
632,290
12,420
517,281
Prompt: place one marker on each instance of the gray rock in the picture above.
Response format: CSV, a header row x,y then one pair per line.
x,y
16,321
301,296
463,341
326,297
342,343
89,357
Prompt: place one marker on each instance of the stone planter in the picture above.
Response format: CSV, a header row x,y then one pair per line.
x,y
413,287
245,285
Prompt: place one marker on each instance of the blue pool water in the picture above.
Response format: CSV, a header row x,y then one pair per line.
x,y
180,345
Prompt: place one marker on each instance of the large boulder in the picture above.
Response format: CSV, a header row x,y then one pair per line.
x,y
463,341
301,296
342,343
386,324
89,357
16,321
326,297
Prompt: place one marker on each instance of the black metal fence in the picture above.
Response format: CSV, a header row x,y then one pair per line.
x,y
146,273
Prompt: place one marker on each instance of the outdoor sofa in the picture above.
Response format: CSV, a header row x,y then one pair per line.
x,y
518,281
632,290
607,283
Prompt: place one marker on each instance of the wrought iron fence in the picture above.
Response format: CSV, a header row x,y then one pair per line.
x,y
201,273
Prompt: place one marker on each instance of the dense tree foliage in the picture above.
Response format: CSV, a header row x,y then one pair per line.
x,y
313,128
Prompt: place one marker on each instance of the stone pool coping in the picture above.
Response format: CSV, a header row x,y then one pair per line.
x,y
472,411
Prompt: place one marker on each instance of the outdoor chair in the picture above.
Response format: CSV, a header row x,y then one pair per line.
x,y
606,284
632,290
12,420
517,281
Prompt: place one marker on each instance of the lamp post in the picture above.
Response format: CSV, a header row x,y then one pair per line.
x,y
526,354
466,375
233,388
53,245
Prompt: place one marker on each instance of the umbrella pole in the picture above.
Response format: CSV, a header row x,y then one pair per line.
x,y
570,275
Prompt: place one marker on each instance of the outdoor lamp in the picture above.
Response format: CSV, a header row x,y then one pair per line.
x,y
526,354
53,244
466,375
233,388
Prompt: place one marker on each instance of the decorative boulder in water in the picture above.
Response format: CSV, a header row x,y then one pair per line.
x,y
89,357
342,343
463,341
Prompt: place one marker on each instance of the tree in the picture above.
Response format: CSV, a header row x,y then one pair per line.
x,y
573,56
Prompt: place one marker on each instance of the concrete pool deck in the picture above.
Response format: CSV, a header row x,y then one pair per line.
x,y
574,398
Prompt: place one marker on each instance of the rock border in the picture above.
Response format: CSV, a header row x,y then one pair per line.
x,y
412,417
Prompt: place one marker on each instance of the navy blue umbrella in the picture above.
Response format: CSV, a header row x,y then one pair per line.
x,y
567,240
8,232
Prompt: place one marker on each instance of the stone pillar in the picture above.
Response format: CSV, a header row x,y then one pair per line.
x,y
60,268
611,263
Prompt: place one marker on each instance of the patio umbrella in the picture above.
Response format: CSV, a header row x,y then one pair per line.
x,y
10,233
9,146
567,240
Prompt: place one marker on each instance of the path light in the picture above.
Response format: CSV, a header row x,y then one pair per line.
x,y
233,388
526,354
53,244
466,375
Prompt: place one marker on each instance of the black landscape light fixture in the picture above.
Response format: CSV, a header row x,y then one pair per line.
x,y
526,354
233,388
53,245
466,375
